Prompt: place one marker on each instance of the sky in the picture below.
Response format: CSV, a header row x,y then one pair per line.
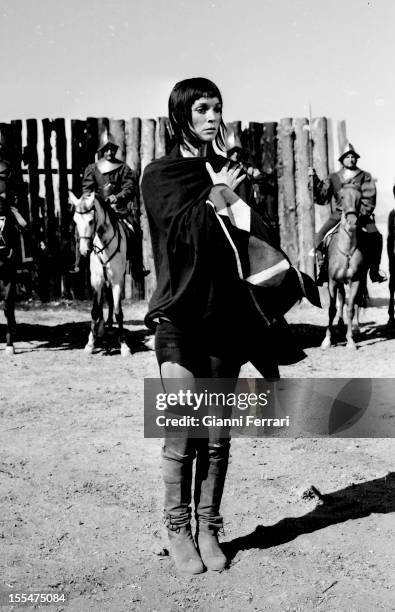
x,y
270,59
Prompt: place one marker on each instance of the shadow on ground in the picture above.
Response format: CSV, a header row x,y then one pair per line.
x,y
354,502
310,336
74,336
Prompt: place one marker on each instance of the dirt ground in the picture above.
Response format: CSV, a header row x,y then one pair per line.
x,y
81,492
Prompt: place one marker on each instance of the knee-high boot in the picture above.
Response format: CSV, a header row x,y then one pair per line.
x,y
211,469
177,476
375,250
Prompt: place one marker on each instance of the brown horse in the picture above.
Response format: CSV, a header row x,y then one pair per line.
x,y
8,264
346,265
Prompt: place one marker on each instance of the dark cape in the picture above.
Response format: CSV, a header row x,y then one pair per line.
x,y
199,276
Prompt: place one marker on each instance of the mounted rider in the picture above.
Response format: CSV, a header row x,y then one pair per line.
x,y
115,183
329,191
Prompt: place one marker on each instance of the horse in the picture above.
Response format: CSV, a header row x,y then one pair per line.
x,y
391,262
347,267
102,235
9,239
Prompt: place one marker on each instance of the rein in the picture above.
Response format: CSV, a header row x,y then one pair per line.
x,y
96,250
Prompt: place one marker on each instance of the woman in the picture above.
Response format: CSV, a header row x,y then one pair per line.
x,y
199,308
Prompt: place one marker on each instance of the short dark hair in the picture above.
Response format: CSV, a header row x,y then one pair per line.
x,y
182,97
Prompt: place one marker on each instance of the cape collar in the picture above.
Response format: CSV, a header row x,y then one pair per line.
x,y
104,166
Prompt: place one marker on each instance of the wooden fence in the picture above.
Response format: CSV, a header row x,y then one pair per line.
x,y
50,156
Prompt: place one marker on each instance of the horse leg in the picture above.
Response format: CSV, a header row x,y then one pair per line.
x,y
354,286
117,293
391,285
96,318
332,290
110,302
9,313
340,307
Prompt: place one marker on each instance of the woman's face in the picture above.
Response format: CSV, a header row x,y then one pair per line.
x,y
206,118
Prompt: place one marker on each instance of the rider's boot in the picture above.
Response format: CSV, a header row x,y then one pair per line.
x,y
375,247
76,268
177,476
209,485
322,268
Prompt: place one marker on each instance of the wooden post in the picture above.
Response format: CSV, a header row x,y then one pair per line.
x,y
268,157
16,161
51,224
286,191
255,131
79,163
117,129
31,160
331,146
132,143
147,153
161,137
304,203
91,139
320,163
65,213
341,136
78,156
133,140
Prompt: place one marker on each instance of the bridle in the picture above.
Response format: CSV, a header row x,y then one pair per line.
x,y
117,234
349,233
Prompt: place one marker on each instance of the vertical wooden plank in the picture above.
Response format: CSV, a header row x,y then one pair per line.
x,y
304,203
331,145
91,139
286,190
79,162
255,131
78,155
147,154
132,144
65,215
268,163
117,129
51,222
16,161
320,163
36,204
31,160
161,137
133,140
341,135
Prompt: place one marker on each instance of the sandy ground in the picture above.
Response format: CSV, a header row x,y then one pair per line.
x,y
81,492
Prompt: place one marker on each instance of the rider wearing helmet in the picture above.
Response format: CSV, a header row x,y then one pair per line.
x,y
115,183
328,191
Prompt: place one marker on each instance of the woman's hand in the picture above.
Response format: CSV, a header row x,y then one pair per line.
x,y
226,176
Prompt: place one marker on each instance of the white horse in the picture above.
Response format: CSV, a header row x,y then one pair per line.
x,y
103,236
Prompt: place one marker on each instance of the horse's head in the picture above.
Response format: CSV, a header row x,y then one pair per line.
x,y
351,205
84,218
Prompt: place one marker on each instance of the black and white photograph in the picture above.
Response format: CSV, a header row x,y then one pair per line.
x,y
197,317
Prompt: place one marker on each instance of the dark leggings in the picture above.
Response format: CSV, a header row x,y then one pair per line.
x,y
188,349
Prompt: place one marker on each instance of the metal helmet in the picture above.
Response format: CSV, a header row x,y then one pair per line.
x,y
348,148
107,139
